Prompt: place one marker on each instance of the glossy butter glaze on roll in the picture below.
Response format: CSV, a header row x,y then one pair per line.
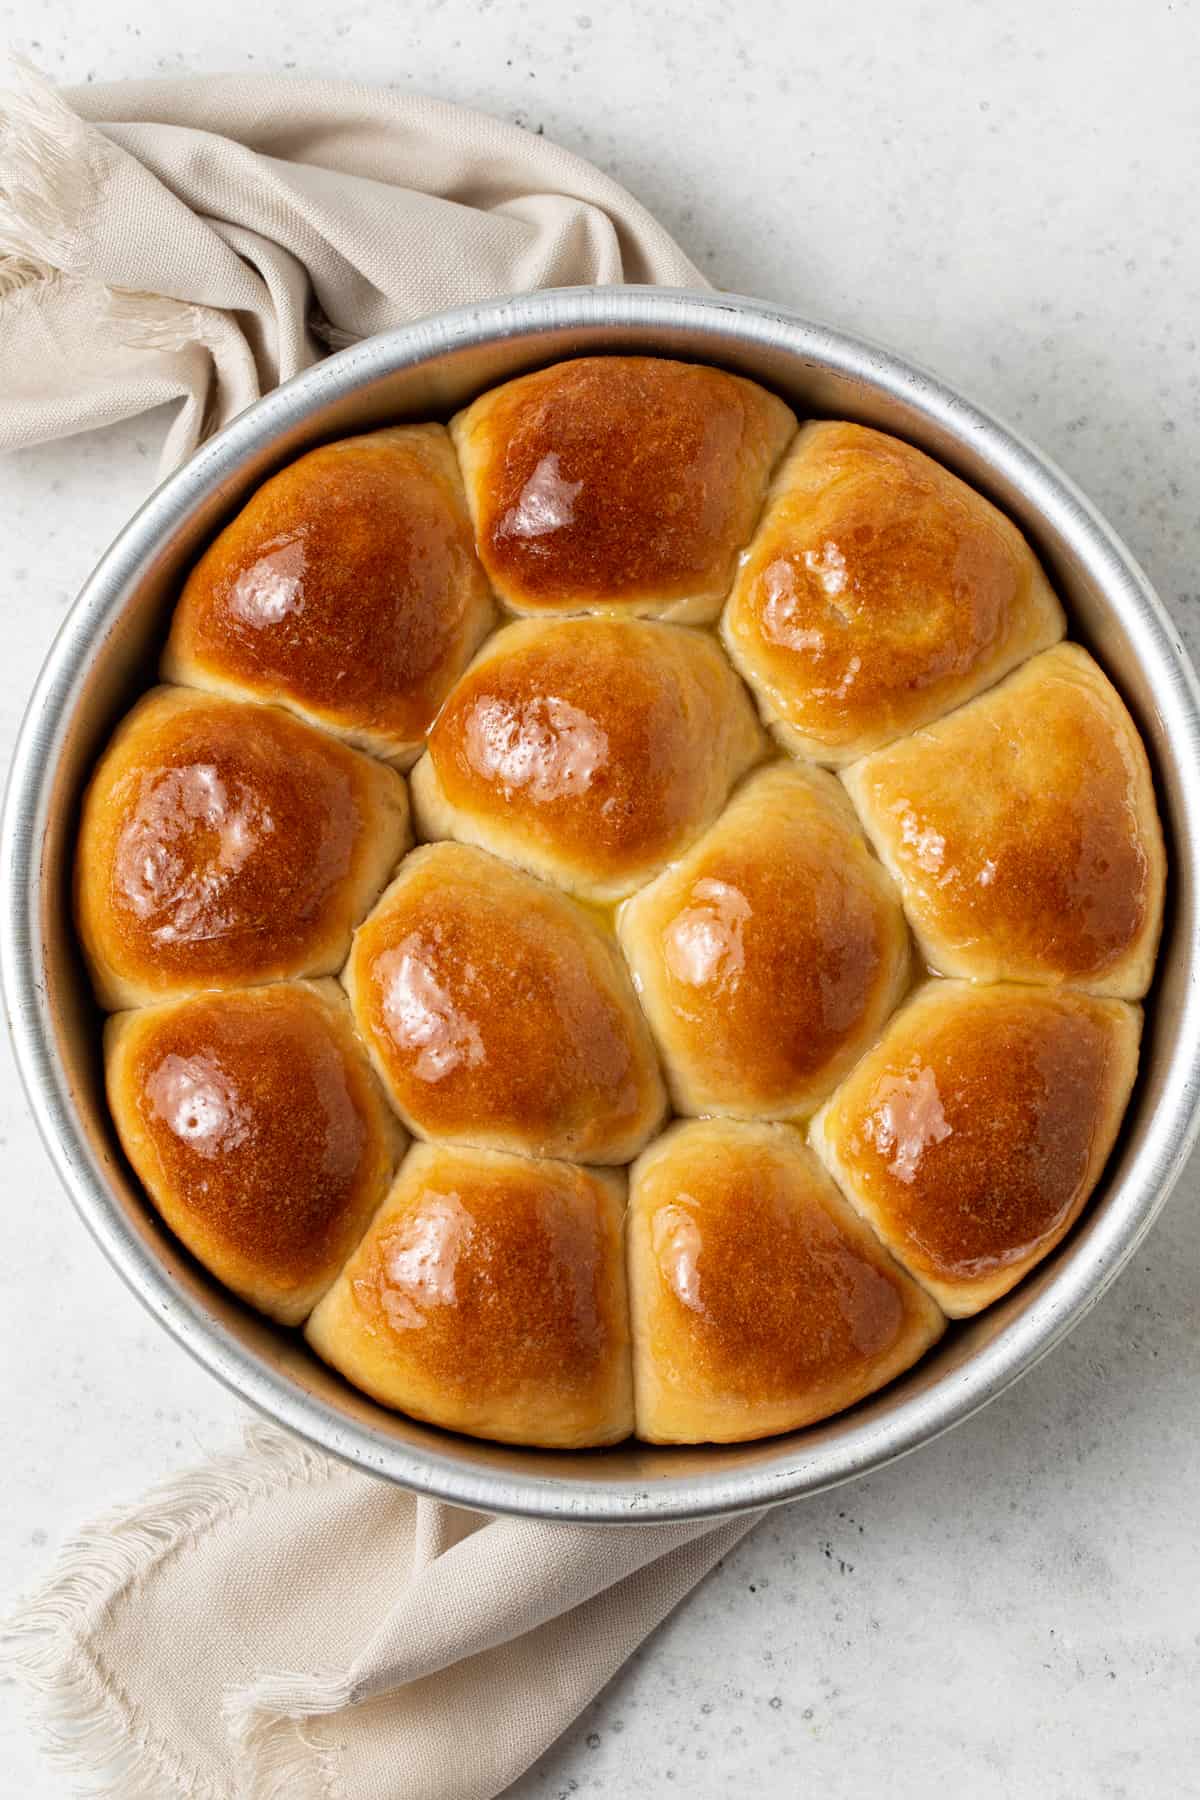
x,y
223,845
347,589
499,1013
1023,832
768,958
619,483
259,1132
972,1136
760,1302
878,593
489,1297
590,750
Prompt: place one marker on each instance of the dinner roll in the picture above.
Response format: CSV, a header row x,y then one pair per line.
x,y
769,957
347,589
499,1013
489,1297
224,845
759,1301
626,483
972,1135
1024,834
879,592
591,750
259,1132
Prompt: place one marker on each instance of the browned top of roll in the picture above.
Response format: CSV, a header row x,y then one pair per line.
x,y
979,1124
348,584
499,1012
771,952
255,1123
1024,831
765,1285
881,590
602,744
489,1274
220,842
617,479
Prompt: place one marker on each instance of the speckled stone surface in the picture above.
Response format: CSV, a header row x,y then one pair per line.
x,y
1008,193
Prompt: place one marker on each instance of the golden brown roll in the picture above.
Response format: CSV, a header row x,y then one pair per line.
x,y
626,483
769,957
347,589
591,750
499,1013
1023,832
259,1132
879,592
489,1297
224,845
760,1303
971,1137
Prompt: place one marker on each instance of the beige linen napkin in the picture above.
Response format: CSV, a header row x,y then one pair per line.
x,y
273,1625
277,1626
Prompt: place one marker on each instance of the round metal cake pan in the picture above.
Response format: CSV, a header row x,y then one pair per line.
x,y
105,655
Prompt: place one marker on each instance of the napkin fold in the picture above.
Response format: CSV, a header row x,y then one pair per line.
x,y
278,1626
275,1625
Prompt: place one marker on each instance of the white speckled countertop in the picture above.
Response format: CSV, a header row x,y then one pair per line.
x,y
1006,191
